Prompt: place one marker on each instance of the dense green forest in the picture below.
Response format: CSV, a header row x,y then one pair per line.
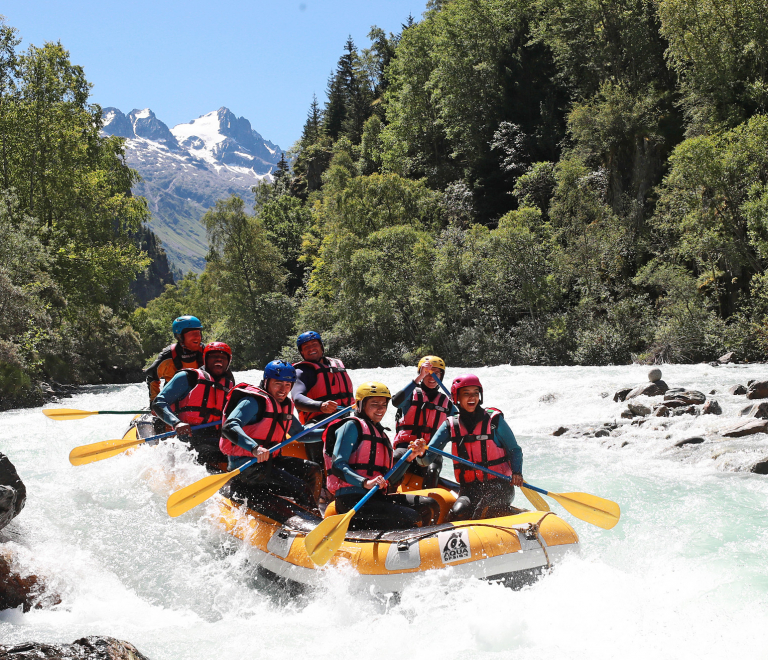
x,y
513,181
75,257
504,181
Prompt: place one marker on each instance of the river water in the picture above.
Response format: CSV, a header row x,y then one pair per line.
x,y
683,575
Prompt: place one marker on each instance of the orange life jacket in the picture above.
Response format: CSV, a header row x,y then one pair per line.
x,y
333,384
478,446
272,427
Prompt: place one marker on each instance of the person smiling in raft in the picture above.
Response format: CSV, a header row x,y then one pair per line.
x,y
257,418
362,455
482,436
421,410
196,396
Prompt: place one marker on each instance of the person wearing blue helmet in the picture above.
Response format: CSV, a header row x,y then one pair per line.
x,y
256,419
322,387
185,353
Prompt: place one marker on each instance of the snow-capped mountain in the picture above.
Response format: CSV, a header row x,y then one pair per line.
x,y
185,169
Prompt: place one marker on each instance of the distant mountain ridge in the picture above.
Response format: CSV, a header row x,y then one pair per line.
x,y
185,169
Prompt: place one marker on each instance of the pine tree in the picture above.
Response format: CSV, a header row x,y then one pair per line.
x,y
313,126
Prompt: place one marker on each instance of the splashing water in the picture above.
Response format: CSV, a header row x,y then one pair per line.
x,y
683,575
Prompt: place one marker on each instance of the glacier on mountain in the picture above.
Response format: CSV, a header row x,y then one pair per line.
x,y
187,168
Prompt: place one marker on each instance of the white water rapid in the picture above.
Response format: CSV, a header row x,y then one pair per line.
x,y
683,575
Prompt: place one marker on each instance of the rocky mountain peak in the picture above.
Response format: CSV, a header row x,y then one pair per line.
x,y
187,168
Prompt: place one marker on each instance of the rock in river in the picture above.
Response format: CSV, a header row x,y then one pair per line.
x,y
87,648
758,390
737,389
688,441
639,409
712,407
747,426
649,389
685,397
759,410
13,493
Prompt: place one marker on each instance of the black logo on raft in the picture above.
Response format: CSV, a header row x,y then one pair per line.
x,y
456,548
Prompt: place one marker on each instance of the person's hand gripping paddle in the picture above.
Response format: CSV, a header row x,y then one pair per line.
x,y
532,496
325,539
189,497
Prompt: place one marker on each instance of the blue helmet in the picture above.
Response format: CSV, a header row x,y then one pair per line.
x,y
304,337
280,370
186,323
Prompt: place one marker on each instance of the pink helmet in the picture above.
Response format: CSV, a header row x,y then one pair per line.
x,y
467,380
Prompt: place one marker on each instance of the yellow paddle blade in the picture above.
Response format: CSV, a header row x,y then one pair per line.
x,y
190,496
535,499
61,414
98,451
589,508
325,539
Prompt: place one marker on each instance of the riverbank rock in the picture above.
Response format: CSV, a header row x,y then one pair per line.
x,y
87,648
712,407
728,358
758,390
650,389
745,427
737,389
13,492
759,410
660,410
686,397
654,375
28,591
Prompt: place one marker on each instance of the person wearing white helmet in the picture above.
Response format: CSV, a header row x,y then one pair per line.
x,y
362,455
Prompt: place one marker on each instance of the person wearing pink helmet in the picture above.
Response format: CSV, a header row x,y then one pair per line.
x,y
480,435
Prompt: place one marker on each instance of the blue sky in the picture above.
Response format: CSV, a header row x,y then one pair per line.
x,y
262,60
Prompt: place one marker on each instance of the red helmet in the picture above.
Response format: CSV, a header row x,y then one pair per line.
x,y
467,380
219,346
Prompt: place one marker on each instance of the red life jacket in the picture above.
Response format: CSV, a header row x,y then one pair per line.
x,y
333,384
478,446
205,401
423,418
371,457
272,426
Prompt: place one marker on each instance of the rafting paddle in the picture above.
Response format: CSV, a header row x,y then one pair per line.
x,y
98,451
61,414
589,508
532,496
190,496
325,539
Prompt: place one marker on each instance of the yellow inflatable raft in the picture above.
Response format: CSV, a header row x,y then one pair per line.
x,y
514,549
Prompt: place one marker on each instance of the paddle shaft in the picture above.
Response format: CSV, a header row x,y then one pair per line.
x,y
387,476
118,412
433,450
330,418
440,383
170,433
